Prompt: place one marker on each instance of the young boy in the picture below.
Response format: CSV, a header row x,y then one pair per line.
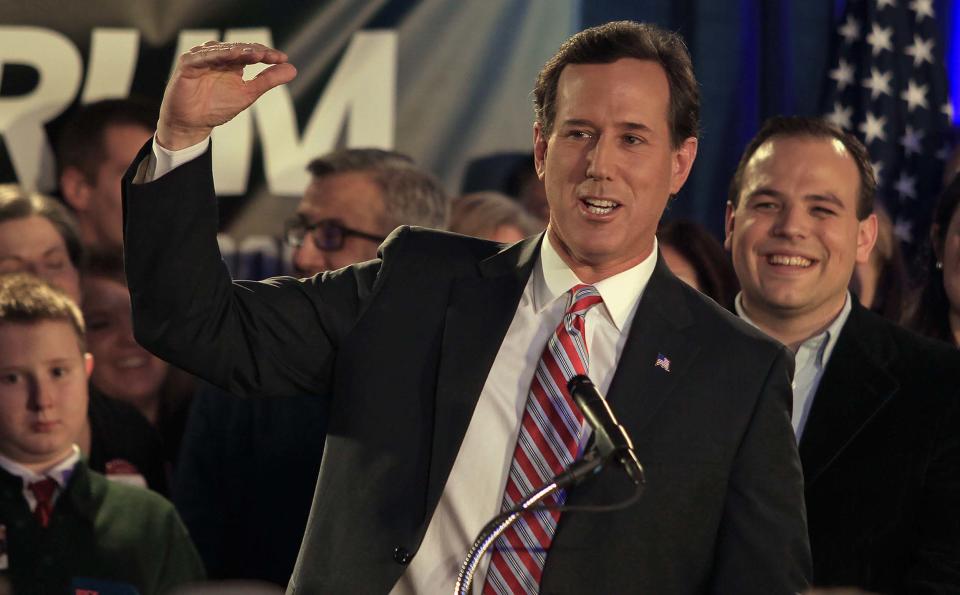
x,y
67,529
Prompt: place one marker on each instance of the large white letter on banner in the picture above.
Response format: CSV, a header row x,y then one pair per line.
x,y
362,91
233,141
111,65
59,69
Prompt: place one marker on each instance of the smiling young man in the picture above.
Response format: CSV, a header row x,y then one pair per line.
x,y
875,407
442,357
66,528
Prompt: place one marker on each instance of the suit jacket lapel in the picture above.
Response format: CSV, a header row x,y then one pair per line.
x,y
853,388
479,313
639,386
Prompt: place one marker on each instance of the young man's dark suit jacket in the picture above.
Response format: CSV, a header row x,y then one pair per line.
x,y
881,458
402,346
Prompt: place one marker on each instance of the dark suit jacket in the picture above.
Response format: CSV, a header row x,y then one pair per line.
x,y
881,457
402,346
245,480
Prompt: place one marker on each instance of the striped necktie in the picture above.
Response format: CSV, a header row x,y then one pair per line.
x,y
549,440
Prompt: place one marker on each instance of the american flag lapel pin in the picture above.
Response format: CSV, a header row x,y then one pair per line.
x,y
662,362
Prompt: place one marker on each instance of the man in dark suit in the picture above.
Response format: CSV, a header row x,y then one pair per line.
x,y
875,407
428,353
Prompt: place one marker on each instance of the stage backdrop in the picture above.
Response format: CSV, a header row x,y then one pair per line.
x,y
443,81
446,82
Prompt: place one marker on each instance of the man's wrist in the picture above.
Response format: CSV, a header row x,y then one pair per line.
x,y
163,160
172,139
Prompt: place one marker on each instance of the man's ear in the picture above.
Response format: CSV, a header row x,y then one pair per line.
x,y
539,149
728,226
88,364
683,159
75,189
867,231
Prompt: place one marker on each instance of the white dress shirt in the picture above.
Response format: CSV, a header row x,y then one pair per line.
x,y
59,473
474,490
810,361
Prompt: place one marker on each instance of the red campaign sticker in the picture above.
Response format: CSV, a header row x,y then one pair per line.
x,y
121,467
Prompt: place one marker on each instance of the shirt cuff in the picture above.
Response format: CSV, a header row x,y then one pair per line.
x,y
162,161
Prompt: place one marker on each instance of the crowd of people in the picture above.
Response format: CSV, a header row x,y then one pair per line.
x,y
398,389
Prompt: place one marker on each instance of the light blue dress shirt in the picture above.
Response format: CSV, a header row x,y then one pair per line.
x,y
811,360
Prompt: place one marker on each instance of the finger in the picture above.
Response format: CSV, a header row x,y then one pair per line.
x,y
205,45
274,76
221,55
216,47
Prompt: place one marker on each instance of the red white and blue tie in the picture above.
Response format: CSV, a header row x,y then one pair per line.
x,y
549,440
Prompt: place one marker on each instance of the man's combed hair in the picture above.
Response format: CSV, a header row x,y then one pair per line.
x,y
411,196
81,144
17,203
608,43
816,128
26,299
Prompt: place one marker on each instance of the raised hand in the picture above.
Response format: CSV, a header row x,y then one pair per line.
x,y
207,89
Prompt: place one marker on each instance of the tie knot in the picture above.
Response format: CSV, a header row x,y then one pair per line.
x,y
43,490
582,298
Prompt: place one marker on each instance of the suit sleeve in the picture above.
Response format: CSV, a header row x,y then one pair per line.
x,y
763,547
276,337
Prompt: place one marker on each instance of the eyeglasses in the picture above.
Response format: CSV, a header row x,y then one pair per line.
x,y
328,235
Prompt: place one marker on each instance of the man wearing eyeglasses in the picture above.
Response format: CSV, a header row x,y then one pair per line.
x,y
247,460
355,198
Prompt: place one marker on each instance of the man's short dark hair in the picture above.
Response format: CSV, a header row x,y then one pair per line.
x,y
26,299
411,195
608,43
17,203
81,141
817,128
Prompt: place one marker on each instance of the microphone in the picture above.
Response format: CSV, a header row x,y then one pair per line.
x,y
610,438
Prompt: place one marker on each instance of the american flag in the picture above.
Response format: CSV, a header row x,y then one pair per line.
x,y
888,85
662,362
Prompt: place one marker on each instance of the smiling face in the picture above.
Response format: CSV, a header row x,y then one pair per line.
x,y
608,165
124,369
43,391
794,234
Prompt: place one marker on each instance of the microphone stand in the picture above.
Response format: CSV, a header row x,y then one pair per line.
x,y
578,470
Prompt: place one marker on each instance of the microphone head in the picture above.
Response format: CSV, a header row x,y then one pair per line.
x,y
580,387
576,382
